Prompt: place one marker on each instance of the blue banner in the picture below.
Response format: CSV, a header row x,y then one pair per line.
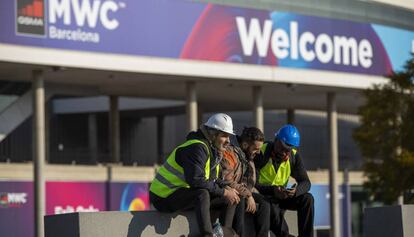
x,y
201,31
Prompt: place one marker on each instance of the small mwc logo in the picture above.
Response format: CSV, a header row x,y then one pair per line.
x,y
30,17
12,199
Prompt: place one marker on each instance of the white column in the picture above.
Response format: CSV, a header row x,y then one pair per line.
x,y
401,199
333,170
39,149
114,130
191,108
258,107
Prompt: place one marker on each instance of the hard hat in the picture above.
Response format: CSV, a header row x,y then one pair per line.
x,y
289,135
221,122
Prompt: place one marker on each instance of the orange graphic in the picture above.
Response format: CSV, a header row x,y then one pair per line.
x,y
35,9
136,205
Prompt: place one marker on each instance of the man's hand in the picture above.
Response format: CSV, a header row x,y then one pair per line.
x,y
231,195
279,192
290,192
251,205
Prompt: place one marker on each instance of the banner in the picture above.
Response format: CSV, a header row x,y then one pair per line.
x,y
190,30
17,201
129,197
67,197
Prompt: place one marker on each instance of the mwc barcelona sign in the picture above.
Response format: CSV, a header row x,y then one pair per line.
x,y
62,14
184,29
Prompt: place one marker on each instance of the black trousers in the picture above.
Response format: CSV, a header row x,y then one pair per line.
x,y
303,204
199,200
261,216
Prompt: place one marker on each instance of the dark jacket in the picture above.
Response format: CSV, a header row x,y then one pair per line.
x,y
298,171
193,159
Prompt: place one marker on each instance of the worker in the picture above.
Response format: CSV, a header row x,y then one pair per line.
x,y
278,161
188,177
238,171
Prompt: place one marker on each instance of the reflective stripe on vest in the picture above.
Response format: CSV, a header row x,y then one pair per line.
x,y
170,176
268,174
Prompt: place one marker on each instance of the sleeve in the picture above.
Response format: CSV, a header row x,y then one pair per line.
x,y
232,176
242,189
241,180
193,160
259,162
250,175
301,176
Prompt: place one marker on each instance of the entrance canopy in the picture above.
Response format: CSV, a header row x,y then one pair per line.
x,y
220,86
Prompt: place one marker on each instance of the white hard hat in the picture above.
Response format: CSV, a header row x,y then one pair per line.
x,y
221,122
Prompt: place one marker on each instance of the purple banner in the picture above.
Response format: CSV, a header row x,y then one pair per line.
x,y
200,31
16,209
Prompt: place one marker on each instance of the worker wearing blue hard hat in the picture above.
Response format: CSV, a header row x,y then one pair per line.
x,y
278,161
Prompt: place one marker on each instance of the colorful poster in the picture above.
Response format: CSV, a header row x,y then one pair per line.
x,y
201,31
129,197
16,209
67,197
17,201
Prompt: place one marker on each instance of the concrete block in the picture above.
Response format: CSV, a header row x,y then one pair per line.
x,y
133,224
389,221
116,223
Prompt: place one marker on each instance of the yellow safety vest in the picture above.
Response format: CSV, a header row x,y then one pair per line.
x,y
268,174
170,176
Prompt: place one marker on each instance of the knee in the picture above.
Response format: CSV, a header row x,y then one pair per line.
x,y
264,207
264,210
274,211
243,201
307,200
241,206
203,194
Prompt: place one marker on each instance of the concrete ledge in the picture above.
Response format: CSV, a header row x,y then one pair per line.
x,y
118,173
76,173
389,221
16,171
134,224
128,173
95,173
129,224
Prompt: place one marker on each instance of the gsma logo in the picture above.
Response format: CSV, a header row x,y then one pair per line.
x,y
4,199
30,17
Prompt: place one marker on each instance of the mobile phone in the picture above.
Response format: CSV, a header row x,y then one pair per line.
x,y
292,187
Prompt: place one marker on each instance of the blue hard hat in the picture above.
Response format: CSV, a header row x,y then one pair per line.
x,y
289,135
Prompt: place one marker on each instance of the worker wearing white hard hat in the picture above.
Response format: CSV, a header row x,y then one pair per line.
x,y
188,177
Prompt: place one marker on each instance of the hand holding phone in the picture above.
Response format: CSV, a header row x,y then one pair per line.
x,y
280,192
292,187
291,191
